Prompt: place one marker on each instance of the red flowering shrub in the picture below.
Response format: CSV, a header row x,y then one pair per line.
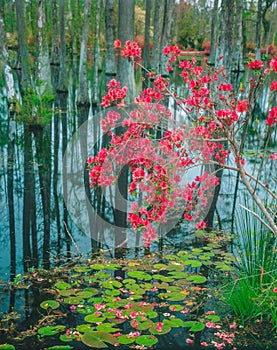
x,y
215,115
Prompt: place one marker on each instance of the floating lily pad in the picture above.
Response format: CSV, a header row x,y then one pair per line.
x,y
163,278
194,326
125,339
97,339
151,314
7,347
213,318
163,330
193,263
174,322
175,296
82,328
67,337
98,266
50,330
112,292
82,269
147,340
63,285
176,307
178,274
197,279
140,275
141,326
160,267
59,347
111,284
113,266
67,292
49,304
94,318
74,300
107,327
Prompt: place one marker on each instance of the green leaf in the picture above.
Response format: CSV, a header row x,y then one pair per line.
x,y
147,340
7,347
124,339
63,285
82,328
178,274
60,347
49,304
163,278
97,339
107,327
140,275
50,330
176,307
213,318
67,338
174,322
193,263
111,284
194,326
166,328
94,318
197,279
82,269
74,300
142,326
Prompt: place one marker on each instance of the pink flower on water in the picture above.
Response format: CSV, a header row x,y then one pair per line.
x,y
275,290
189,341
233,325
159,327
73,307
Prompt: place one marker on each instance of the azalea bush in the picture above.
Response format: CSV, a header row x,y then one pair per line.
x,y
160,150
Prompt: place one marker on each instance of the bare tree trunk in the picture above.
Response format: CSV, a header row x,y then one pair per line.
x,y
62,86
43,72
146,50
258,31
158,32
97,63
110,69
83,97
211,60
169,17
224,48
23,54
55,34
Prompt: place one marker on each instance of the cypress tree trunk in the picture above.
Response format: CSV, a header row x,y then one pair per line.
x,y
258,31
55,34
158,32
211,60
110,63
146,49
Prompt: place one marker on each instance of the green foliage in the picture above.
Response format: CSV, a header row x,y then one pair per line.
x,y
36,108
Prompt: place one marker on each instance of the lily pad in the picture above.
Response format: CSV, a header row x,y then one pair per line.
x,y
176,307
98,340
60,347
140,275
174,322
125,339
197,279
163,330
67,337
163,278
50,330
7,347
213,318
107,327
63,285
82,269
147,340
49,304
178,274
193,263
194,326
141,326
111,284
94,318
74,300
82,328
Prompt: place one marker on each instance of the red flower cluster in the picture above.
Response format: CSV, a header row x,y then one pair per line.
x,y
131,49
115,94
273,86
256,65
273,64
272,116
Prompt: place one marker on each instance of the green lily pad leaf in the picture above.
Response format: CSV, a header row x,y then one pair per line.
x,y
85,310
128,281
163,278
171,257
194,326
60,347
176,266
74,300
63,285
164,329
224,267
160,267
97,339
96,300
101,275
174,322
113,266
7,347
147,340
140,275
82,328
107,327
84,294
67,337
113,292
50,330
197,327
49,304
197,279
82,269
94,318
162,285
125,339
213,318
98,266
141,326
197,251
151,314
67,292
176,296
193,263
141,306
176,307
111,284
178,274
